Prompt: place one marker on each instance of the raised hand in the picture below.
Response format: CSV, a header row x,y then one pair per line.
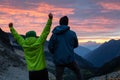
x,y
50,15
10,24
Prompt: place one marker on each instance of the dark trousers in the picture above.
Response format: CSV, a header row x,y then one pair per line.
x,y
38,75
73,66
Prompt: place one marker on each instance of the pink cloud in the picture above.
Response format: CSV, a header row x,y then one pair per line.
x,y
110,6
35,17
98,24
43,7
30,19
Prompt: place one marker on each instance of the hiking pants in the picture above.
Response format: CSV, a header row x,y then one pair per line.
x,y
38,75
73,66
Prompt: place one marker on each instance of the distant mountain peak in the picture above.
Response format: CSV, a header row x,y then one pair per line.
x,y
90,45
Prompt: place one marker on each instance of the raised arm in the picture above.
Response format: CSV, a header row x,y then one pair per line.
x,y
16,36
46,30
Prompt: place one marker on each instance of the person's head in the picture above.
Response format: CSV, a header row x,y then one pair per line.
x,y
30,34
64,20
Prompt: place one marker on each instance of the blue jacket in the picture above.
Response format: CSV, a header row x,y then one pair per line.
x,y
62,44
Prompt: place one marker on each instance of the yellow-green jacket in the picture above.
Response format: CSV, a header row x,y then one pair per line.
x,y
33,48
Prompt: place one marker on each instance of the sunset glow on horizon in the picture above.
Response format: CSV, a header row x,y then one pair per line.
x,y
92,20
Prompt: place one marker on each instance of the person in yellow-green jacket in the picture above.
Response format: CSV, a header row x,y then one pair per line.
x,y
34,50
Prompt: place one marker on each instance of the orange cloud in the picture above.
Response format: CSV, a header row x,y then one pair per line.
x,y
34,19
97,40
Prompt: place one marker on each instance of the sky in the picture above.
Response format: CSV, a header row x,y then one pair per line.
x,y
92,20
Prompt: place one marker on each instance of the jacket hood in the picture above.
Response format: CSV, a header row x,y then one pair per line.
x,y
60,29
30,34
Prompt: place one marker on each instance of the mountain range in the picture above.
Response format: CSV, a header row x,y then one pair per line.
x,y
81,51
104,53
112,65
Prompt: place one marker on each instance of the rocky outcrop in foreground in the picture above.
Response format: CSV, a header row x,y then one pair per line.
x,y
13,66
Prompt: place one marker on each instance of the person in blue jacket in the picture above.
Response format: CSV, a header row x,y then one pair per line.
x,y
61,45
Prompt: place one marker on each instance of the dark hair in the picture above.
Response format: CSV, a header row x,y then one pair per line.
x,y
64,20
